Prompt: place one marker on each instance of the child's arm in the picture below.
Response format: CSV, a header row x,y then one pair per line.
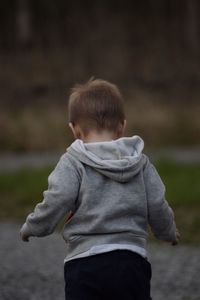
x,y
58,200
160,214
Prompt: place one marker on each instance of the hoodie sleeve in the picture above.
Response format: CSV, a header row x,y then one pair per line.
x,y
59,199
160,214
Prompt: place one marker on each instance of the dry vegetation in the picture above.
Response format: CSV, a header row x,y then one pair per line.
x,y
46,129
150,49
164,123
33,106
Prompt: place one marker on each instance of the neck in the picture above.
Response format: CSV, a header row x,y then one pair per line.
x,y
103,136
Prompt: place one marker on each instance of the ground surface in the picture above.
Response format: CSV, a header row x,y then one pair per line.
x,y
12,162
34,271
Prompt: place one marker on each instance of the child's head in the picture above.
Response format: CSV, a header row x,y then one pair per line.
x,y
96,106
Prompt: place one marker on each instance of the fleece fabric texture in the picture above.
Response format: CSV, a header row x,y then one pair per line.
x,y
113,191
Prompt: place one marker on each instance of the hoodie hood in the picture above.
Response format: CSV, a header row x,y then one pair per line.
x,y
119,159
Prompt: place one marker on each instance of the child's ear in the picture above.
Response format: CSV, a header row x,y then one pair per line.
x,y
124,126
71,127
121,129
75,130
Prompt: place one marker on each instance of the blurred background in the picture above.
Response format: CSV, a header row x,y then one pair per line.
x,y
150,49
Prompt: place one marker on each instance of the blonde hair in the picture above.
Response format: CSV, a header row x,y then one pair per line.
x,y
97,104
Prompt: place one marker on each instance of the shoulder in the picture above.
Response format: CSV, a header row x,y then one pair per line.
x,y
151,174
68,162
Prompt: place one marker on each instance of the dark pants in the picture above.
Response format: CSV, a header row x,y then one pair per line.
x,y
119,274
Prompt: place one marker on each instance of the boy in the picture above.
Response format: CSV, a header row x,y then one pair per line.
x,y
111,192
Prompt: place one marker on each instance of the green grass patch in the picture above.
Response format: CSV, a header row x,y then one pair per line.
x,y
182,183
21,190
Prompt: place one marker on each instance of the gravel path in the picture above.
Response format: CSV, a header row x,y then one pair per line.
x,y
34,271
13,161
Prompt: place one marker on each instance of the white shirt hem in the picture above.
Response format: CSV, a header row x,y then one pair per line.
x,y
108,248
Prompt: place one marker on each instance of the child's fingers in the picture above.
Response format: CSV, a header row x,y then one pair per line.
x,y
174,243
178,236
24,237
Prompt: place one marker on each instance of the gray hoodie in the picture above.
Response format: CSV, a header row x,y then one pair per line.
x,y
113,191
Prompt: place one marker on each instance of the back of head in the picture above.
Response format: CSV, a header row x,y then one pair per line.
x,y
96,105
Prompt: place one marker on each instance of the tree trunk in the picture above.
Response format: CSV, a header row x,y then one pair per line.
x,y
192,30
23,25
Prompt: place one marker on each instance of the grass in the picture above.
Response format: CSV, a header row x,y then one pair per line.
x,y
21,190
182,182
183,194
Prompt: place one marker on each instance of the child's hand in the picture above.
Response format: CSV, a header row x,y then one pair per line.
x,y
174,243
24,237
25,233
